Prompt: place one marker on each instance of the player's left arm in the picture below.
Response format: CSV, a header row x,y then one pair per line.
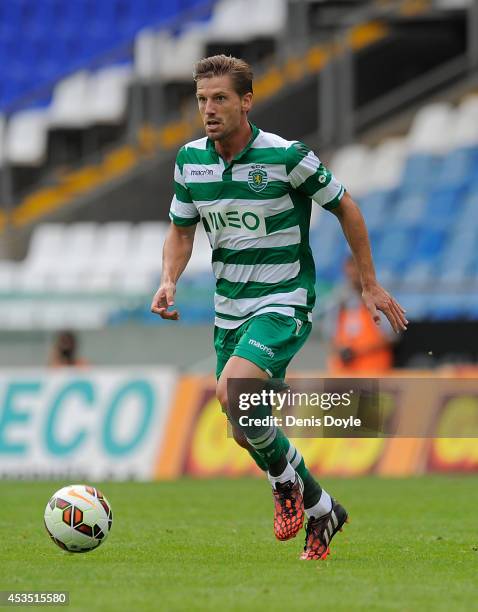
x,y
374,295
308,175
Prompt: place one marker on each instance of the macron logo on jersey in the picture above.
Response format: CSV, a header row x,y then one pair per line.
x,y
262,347
205,172
202,173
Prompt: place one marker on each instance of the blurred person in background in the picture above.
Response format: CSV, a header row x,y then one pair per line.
x,y
64,351
358,343
253,192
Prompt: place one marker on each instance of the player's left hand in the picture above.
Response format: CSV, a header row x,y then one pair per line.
x,y
376,298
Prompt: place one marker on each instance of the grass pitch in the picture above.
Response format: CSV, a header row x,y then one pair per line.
x,y
208,545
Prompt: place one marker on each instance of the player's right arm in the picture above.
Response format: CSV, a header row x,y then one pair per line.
x,y
178,245
177,251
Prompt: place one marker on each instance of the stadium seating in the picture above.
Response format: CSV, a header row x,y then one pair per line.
x,y
418,194
44,38
74,77
68,65
26,137
82,274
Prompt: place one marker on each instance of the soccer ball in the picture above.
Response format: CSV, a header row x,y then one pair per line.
x,y
78,518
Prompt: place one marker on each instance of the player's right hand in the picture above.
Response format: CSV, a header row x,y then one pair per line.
x,y
164,299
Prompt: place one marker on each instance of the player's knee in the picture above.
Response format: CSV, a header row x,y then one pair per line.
x,y
240,438
221,395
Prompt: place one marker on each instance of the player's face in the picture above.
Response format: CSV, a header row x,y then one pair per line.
x,y
222,109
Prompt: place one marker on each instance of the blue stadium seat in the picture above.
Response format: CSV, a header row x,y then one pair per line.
x,y
457,168
456,265
376,207
421,273
443,206
394,247
11,16
409,209
199,280
38,20
420,172
446,306
416,304
386,276
429,243
328,245
68,15
374,237
470,200
470,306
473,152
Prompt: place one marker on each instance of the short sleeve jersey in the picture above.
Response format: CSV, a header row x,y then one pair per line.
x,y
256,212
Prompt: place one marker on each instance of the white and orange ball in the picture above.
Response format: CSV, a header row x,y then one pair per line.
x,y
78,518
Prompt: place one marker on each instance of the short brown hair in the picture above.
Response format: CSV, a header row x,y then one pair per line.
x,y
220,65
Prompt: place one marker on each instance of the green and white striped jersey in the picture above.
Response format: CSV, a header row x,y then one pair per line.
x,y
256,213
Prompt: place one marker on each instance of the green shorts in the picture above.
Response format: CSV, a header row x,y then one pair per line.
x,y
268,340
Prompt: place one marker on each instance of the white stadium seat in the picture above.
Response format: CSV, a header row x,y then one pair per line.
x,y
87,98
2,137
80,247
105,266
17,314
465,128
231,21
270,17
71,314
46,249
26,137
108,94
387,161
350,165
430,131
9,272
177,56
164,53
141,266
201,257
243,20
452,4
145,57
69,107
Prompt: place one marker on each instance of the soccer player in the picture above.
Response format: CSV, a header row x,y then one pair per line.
x,y
253,192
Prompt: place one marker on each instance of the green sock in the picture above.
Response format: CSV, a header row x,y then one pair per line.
x,y
312,489
261,464
268,445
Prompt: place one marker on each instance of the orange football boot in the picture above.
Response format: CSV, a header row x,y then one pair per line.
x,y
288,508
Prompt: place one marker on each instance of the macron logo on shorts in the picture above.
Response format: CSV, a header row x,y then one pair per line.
x,y
262,347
